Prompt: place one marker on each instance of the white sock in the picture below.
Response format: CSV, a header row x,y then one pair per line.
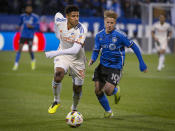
x,y
56,91
33,60
76,99
161,61
110,111
16,63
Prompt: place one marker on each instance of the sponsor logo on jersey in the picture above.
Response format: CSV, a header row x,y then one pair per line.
x,y
112,46
80,37
67,39
114,39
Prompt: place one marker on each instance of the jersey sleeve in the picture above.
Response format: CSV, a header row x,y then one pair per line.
x,y
97,46
59,18
56,30
96,49
126,42
80,39
36,23
153,27
169,28
20,20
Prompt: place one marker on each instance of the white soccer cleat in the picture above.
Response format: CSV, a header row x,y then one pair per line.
x,y
159,69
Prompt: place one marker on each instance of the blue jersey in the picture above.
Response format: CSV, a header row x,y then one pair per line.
x,y
112,48
31,19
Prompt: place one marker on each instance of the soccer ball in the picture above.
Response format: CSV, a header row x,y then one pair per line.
x,y
74,119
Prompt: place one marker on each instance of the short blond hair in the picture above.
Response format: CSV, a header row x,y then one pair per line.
x,y
110,14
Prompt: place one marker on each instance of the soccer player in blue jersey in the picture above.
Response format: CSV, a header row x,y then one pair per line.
x,y
111,42
29,24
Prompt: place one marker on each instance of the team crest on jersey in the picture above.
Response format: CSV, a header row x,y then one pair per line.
x,y
114,39
100,39
80,37
112,46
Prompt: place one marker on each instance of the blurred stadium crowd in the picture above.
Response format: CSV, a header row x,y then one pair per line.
x,y
124,8
132,15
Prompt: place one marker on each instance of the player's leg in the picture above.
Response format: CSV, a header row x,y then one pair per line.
x,y
33,62
99,86
161,59
77,71
77,92
18,55
111,87
56,86
99,79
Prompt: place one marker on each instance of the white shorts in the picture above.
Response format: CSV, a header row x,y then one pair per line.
x,y
161,45
75,68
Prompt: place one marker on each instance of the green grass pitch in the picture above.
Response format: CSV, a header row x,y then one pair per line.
x,y
147,99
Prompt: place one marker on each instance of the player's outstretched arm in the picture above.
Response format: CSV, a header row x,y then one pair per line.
x,y
143,67
93,57
70,51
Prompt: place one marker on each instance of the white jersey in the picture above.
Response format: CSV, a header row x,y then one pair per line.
x,y
161,33
69,37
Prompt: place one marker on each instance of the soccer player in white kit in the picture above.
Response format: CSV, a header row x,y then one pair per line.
x,y
161,33
70,55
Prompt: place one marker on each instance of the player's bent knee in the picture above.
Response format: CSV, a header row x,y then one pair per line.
x,y
58,77
108,91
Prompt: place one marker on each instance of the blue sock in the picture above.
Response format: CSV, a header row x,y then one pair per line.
x,y
104,102
32,55
18,54
115,90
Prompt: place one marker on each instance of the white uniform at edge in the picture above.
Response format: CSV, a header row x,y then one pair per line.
x,y
161,32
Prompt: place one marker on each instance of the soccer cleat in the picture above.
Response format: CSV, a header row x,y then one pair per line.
x,y
108,114
53,108
163,66
117,95
159,69
33,63
15,67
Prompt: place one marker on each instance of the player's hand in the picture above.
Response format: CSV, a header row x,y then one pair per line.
x,y
90,62
17,28
29,26
156,39
143,67
51,54
145,71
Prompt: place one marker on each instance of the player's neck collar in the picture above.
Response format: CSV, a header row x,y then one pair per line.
x,y
110,32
